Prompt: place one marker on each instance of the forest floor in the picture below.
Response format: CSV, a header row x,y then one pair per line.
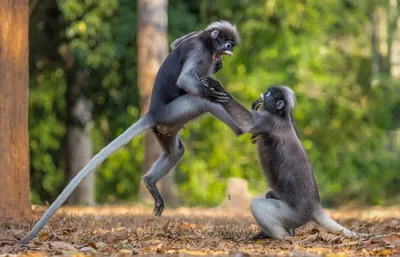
x,y
124,231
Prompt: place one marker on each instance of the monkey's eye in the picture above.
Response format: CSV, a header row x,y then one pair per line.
x,y
228,45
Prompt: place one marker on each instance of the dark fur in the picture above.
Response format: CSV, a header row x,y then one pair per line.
x,y
293,199
178,97
283,158
165,89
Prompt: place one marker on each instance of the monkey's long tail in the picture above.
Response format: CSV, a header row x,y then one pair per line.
x,y
144,123
322,218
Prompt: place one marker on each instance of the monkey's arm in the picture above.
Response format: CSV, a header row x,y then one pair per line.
x,y
242,116
248,120
190,82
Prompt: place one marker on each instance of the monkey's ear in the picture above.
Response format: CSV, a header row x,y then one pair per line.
x,y
280,104
215,33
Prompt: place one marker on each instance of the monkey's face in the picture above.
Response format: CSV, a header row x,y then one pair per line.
x,y
272,101
223,45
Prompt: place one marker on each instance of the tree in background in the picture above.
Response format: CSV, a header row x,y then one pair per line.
x,y
14,75
319,48
152,50
78,146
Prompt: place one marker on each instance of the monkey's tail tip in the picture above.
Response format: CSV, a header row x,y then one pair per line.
x,y
374,236
25,240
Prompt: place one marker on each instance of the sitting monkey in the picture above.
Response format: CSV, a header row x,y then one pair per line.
x,y
293,199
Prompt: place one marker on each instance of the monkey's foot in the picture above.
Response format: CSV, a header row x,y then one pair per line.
x,y
159,206
263,235
159,201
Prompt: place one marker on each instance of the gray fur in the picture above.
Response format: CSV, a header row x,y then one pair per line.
x,y
178,97
224,25
289,96
188,80
181,39
293,199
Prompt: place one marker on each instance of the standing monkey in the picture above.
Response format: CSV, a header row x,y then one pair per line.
x,y
293,199
178,97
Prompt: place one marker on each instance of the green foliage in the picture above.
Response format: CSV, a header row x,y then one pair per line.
x,y
45,140
319,48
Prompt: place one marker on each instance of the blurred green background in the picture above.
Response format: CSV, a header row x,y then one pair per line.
x,y
339,56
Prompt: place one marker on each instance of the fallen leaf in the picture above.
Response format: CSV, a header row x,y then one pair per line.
x,y
314,231
186,232
93,245
161,248
295,239
66,231
68,252
43,236
309,239
112,237
260,241
59,245
184,226
139,232
6,249
105,248
123,253
383,252
393,239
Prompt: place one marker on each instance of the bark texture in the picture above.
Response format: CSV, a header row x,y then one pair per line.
x,y
14,86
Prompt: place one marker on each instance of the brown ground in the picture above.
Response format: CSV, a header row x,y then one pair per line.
x,y
132,230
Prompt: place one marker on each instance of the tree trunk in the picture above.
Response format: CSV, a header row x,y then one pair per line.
x,y
78,144
152,50
14,79
394,61
375,63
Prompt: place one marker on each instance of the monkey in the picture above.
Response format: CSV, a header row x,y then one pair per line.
x,y
178,97
294,198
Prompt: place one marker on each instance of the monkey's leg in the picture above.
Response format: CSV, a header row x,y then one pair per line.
x,y
275,217
271,194
188,107
173,152
144,123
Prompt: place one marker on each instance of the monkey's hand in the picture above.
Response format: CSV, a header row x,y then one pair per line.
x,y
254,138
211,93
215,85
217,65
